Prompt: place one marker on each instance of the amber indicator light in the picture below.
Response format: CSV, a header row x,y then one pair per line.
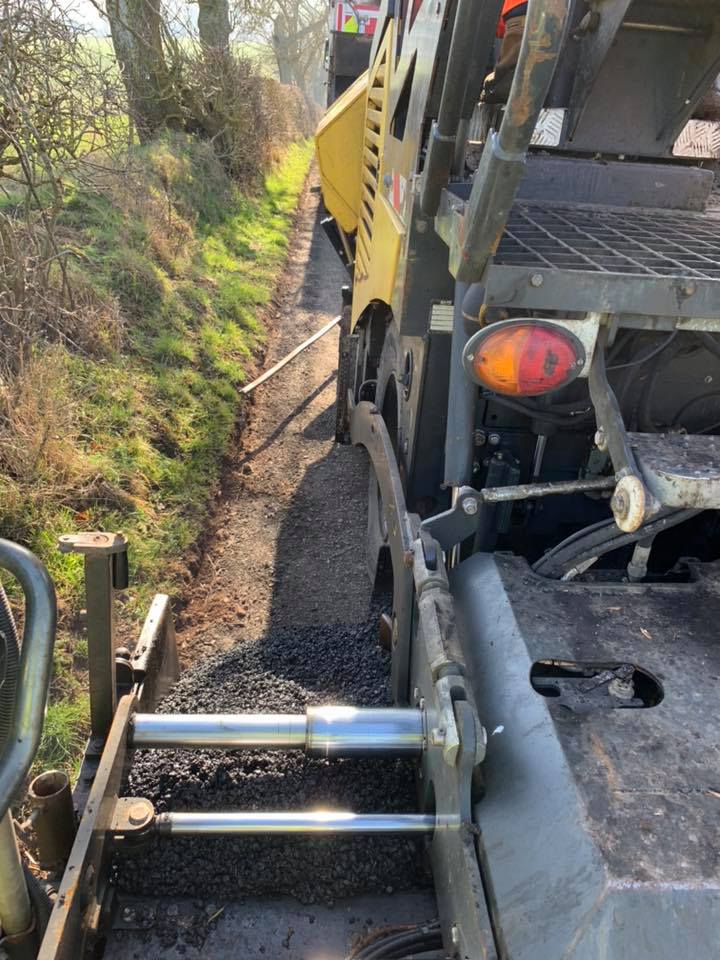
x,y
524,359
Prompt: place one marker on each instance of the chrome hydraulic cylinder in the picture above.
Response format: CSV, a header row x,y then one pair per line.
x,y
312,822
330,731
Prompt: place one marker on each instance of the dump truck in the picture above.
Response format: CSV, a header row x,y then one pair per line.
x,y
529,354
351,27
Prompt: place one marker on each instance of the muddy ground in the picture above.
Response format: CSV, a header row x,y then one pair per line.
x,y
287,546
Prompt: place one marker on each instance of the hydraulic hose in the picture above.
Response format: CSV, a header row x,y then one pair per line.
x,y
396,944
600,539
26,724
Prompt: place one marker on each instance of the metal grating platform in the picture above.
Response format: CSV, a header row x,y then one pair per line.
x,y
611,240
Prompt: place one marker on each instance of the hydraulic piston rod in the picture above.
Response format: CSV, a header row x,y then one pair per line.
x,y
323,731
318,821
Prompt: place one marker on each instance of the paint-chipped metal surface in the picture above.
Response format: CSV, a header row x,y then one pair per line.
x,y
680,470
600,829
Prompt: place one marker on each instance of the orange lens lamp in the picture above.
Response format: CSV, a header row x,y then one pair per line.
x,y
523,358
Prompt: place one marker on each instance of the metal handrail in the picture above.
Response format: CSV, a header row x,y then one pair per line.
x,y
467,31
23,739
502,165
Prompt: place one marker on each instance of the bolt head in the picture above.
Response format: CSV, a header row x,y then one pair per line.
x,y
494,439
139,814
600,439
621,689
536,280
437,736
470,506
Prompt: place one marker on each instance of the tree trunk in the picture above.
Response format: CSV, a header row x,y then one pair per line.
x,y
214,24
282,47
136,30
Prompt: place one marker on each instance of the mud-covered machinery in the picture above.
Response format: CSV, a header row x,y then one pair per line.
x,y
530,356
77,838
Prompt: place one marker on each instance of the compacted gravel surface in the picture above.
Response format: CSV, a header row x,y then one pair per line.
x,y
282,672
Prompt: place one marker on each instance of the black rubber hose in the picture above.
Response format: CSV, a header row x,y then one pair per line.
x,y
401,944
541,414
646,423
603,540
709,342
397,945
647,356
574,537
9,664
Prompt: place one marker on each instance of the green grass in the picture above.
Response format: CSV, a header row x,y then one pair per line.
x,y
153,418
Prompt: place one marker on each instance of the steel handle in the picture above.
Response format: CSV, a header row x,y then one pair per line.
x,y
23,740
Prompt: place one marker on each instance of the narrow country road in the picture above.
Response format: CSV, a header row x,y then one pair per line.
x,y
283,581
288,548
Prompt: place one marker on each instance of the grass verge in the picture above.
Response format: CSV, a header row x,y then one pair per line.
x,y
124,426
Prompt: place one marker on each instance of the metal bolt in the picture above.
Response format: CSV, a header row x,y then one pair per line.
x,y
536,280
470,506
600,439
619,504
138,814
494,439
455,934
621,689
480,438
437,736
421,226
128,915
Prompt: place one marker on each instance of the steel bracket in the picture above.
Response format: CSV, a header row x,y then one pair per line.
x,y
154,660
132,818
466,515
106,570
367,428
85,893
632,503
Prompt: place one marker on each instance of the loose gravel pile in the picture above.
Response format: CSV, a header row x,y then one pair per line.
x,y
281,673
